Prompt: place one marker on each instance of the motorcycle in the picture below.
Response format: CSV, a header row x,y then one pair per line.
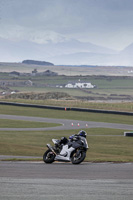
x,y
72,150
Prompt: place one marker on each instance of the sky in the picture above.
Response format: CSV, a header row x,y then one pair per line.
x,y
107,23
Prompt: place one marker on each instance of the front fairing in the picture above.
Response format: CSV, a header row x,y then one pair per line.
x,y
86,143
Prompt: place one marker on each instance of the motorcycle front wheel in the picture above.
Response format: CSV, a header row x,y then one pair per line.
x,y
78,157
48,156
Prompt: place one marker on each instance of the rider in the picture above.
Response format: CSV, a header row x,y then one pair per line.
x,y
81,133
73,138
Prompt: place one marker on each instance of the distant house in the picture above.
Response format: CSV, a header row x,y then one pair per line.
x,y
47,73
14,74
34,71
28,83
79,85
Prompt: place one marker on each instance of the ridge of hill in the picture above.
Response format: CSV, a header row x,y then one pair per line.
x,y
36,62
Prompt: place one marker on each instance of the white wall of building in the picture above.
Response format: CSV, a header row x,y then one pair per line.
x,y
79,85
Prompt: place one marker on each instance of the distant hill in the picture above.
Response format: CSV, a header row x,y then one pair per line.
x,y
36,62
128,50
68,52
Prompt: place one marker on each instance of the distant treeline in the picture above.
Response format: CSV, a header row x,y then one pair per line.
x,y
35,62
78,65
90,66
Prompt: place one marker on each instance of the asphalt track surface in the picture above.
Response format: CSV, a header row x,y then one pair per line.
x,y
65,124
64,181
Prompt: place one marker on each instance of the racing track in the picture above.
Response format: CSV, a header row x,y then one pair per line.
x,y
65,124
64,181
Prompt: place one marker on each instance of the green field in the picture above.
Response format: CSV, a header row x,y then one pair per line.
x,y
108,88
105,144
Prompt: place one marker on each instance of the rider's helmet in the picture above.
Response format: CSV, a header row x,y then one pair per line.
x,y
82,133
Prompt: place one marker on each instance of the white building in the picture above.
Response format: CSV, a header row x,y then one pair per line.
x,y
79,85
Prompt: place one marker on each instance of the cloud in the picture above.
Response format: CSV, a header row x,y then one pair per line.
x,y
96,21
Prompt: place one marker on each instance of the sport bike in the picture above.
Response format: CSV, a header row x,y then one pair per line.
x,y
72,150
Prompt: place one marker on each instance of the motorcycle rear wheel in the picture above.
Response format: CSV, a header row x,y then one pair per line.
x,y
78,158
48,156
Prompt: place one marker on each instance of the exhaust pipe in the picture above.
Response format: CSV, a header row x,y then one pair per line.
x,y
51,148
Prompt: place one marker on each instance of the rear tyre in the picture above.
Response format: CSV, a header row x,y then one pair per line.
x,y
78,157
48,156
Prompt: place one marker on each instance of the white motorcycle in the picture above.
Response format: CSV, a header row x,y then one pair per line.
x,y
72,150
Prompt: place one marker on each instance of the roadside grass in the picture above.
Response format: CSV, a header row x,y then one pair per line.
x,y
106,145
117,106
62,114
7,123
110,149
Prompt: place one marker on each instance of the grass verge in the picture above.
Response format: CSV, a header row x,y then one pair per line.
x,y
106,145
7,123
61,114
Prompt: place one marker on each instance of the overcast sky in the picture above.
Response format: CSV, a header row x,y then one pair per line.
x,y
104,22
